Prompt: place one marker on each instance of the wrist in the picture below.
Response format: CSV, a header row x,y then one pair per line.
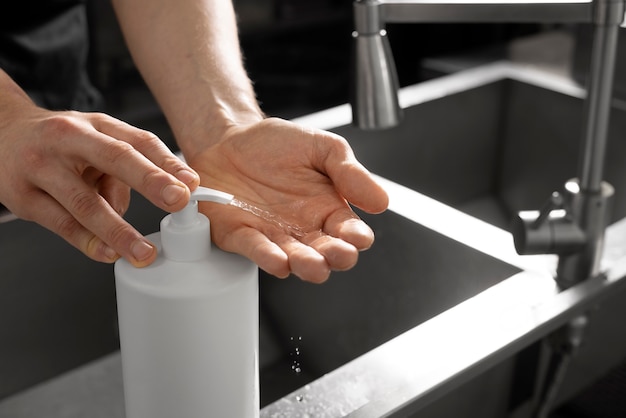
x,y
217,119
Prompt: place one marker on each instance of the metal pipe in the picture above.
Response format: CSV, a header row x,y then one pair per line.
x,y
598,106
487,11
564,344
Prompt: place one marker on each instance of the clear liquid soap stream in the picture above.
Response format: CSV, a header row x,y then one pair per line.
x,y
291,229
212,195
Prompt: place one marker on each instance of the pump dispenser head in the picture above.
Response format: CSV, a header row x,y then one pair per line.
x,y
186,235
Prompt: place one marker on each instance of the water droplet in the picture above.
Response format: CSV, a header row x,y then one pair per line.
x,y
294,353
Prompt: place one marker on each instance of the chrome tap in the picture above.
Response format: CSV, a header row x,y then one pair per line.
x,y
375,90
572,225
573,222
374,96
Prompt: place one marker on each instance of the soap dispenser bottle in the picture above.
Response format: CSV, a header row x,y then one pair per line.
x,y
189,324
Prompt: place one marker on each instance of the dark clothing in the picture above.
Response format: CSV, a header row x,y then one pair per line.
x,y
43,47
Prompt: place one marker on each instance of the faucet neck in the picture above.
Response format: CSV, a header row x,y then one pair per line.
x,y
368,18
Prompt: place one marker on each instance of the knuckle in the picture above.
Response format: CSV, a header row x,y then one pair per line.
x,y
93,248
85,203
154,179
115,151
117,234
146,139
103,117
51,134
66,226
170,162
59,124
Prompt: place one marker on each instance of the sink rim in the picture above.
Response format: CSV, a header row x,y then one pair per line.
x,y
490,327
454,83
528,304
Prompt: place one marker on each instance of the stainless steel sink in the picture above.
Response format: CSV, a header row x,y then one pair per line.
x,y
440,318
474,148
409,276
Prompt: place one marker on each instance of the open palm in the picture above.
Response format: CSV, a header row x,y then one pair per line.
x,y
296,186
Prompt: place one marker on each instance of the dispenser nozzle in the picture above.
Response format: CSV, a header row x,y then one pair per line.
x,y
187,216
211,195
186,234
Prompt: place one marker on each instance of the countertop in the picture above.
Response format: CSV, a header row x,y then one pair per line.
x,y
94,390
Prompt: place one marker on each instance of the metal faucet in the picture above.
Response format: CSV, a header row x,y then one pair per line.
x,y
573,222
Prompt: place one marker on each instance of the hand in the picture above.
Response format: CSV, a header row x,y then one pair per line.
x,y
300,182
72,172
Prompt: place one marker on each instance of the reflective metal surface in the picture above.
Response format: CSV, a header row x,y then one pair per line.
x,y
374,96
534,11
493,144
431,323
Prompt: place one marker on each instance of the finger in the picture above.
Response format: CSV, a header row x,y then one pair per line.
x,y
148,144
51,215
254,245
269,246
352,180
346,225
116,193
112,189
339,254
308,264
94,213
304,261
358,187
122,160
278,257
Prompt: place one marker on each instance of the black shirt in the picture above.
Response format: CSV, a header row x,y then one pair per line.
x,y
43,47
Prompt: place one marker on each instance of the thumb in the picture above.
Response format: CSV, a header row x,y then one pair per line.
x,y
352,180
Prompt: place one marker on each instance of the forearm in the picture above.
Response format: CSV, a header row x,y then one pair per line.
x,y
188,53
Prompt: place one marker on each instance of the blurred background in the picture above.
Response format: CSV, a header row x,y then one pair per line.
x,y
297,53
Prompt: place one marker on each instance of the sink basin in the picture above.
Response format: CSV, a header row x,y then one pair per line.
x,y
440,318
474,148
409,276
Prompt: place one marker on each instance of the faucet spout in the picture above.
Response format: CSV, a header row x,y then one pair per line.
x,y
374,95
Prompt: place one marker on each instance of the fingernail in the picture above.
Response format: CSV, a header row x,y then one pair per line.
x,y
172,193
141,250
187,176
110,253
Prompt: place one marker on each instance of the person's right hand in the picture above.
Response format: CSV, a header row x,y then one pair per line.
x,y
71,172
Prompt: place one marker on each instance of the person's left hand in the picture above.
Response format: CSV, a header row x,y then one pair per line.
x,y
300,182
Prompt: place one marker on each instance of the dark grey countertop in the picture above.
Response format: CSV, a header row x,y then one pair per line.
x,y
94,390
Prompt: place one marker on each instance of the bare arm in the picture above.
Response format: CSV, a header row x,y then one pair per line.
x,y
188,52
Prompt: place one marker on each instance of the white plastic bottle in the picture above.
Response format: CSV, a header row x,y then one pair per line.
x,y
189,324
